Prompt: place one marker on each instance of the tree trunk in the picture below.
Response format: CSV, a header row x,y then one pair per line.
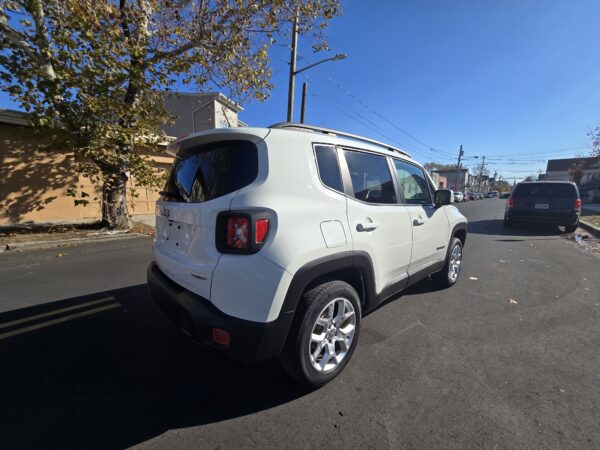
x,y
114,202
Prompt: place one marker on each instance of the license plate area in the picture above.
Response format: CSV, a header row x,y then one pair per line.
x,y
176,235
542,206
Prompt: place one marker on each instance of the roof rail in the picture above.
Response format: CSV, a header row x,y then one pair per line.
x,y
305,127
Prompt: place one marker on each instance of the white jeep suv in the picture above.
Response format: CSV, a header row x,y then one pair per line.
x,y
275,242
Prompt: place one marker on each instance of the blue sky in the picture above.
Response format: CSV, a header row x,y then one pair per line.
x,y
515,80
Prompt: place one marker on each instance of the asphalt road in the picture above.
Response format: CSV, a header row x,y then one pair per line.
x,y
457,368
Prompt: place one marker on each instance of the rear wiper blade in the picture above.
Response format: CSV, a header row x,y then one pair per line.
x,y
169,194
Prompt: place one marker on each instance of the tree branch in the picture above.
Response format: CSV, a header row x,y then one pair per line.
x,y
160,55
41,37
17,39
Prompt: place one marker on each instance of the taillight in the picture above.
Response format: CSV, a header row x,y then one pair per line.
x,y
242,232
238,231
510,202
261,228
578,204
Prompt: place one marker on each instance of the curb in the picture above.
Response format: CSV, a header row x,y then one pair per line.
x,y
589,227
49,244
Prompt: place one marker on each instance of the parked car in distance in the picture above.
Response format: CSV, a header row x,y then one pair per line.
x,y
472,195
494,193
504,195
458,196
549,202
489,195
275,242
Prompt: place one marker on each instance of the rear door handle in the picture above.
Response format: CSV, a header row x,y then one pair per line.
x,y
366,226
418,222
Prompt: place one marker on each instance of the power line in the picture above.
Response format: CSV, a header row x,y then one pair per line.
x,y
372,110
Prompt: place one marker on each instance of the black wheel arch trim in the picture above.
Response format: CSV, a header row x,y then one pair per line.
x,y
462,226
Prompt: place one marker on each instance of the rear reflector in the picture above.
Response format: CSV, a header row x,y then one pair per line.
x,y
238,229
221,337
578,203
261,230
510,202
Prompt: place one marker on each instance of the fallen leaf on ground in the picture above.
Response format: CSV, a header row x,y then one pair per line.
x,y
60,255
512,301
501,260
472,278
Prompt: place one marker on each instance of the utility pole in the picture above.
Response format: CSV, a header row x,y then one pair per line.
x,y
460,155
303,108
290,109
481,174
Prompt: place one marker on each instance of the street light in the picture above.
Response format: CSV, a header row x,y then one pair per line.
x,y
294,72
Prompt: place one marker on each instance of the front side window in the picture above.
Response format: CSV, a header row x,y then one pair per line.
x,y
413,183
329,169
206,172
371,177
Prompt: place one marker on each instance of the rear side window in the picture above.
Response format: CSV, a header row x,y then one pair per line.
x,y
549,190
371,177
329,169
413,183
210,171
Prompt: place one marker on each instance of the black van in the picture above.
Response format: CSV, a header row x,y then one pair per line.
x,y
551,202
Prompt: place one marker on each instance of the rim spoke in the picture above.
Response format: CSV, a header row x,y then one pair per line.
x,y
325,358
340,312
317,337
318,350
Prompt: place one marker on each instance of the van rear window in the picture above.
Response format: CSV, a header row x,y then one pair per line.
x,y
550,190
210,171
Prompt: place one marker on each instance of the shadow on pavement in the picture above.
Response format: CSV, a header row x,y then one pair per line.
x,y
495,227
117,375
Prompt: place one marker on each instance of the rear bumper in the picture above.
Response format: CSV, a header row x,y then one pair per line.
x,y
249,341
555,218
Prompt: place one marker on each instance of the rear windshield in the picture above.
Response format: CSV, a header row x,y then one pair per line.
x,y
551,190
210,171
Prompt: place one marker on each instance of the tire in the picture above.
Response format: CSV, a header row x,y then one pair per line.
x,y
449,274
313,317
571,228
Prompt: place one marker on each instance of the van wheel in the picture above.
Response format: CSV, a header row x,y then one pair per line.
x,y
449,274
324,334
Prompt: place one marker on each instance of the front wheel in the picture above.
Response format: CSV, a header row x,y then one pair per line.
x,y
449,274
324,334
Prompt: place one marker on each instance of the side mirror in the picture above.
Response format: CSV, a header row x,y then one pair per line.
x,y
442,197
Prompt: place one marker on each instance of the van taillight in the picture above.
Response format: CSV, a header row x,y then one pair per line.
x,y
510,202
238,231
578,204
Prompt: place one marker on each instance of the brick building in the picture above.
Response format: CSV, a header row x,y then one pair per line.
x,y
34,184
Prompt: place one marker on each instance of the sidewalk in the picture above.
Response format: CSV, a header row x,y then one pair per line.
x,y
34,237
592,207
590,217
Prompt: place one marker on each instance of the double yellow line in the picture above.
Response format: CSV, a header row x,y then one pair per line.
x,y
113,304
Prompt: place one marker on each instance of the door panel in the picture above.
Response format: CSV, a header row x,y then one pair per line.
x,y
429,223
430,240
378,225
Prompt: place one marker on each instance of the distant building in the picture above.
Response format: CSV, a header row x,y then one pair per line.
x,y
583,171
451,179
440,181
202,111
